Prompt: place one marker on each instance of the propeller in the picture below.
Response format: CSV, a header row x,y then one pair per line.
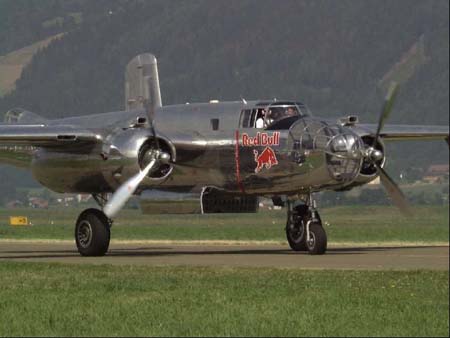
x,y
142,70
374,156
386,110
394,192
126,190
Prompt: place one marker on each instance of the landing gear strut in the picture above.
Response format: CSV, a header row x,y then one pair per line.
x,y
93,230
304,231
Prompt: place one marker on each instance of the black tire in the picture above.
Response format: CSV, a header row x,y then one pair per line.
x,y
295,233
317,244
295,236
92,233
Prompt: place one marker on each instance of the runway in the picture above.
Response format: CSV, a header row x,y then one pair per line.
x,y
340,258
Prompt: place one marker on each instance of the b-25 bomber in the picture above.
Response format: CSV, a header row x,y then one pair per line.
x,y
214,157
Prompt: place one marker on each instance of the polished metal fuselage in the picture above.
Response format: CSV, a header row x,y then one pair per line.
x,y
297,159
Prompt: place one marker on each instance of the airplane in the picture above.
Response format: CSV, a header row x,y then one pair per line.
x,y
213,157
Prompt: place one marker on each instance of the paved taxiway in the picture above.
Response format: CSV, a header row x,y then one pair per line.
x,y
371,258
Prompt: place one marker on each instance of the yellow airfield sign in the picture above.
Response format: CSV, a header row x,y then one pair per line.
x,y
18,220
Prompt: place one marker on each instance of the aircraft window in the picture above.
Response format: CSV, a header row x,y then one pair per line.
x,y
259,121
215,124
283,123
253,117
265,117
277,113
245,118
304,111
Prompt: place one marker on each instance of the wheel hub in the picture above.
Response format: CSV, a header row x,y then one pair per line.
x,y
84,234
312,240
296,232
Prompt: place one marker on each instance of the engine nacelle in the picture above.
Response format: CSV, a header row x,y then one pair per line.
x,y
368,171
145,155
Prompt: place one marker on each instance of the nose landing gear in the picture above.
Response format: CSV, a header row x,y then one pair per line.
x,y
304,230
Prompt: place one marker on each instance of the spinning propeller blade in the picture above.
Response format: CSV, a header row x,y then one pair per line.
x,y
392,189
125,191
386,110
394,192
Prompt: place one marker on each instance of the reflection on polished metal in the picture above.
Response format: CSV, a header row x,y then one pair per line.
x,y
215,151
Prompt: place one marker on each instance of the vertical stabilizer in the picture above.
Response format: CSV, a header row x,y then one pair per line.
x,y
142,83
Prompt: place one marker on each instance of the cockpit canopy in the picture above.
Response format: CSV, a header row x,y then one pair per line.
x,y
266,114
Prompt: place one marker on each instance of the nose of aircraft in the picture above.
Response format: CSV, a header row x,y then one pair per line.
x,y
342,148
344,155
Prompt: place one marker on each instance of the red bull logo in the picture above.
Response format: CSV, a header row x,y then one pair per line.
x,y
266,159
261,139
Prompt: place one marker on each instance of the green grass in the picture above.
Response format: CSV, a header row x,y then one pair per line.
x,y
358,224
50,299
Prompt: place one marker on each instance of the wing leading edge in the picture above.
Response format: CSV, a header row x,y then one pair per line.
x,y
19,141
41,135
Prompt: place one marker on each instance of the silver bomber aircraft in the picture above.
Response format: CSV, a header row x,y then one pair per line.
x,y
214,157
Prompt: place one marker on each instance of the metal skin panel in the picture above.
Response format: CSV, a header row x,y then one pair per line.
x,y
201,160
46,136
200,155
142,82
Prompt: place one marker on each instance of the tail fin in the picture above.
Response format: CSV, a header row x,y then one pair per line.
x,y
142,82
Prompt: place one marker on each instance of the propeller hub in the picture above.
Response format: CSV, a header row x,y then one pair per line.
x,y
164,157
374,155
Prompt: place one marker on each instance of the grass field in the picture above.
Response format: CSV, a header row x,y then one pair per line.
x,y
42,299
355,224
61,300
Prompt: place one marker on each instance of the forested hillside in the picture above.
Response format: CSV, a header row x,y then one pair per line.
x,y
333,55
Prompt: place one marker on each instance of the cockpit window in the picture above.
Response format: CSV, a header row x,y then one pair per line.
x,y
304,111
245,117
280,112
266,114
283,110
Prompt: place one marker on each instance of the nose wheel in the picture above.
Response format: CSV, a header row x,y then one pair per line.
x,y
317,242
304,230
296,228
92,233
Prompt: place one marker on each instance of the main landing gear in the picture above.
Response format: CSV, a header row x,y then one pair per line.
x,y
304,230
93,231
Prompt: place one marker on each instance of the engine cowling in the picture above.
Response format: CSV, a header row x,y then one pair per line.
x,y
368,171
164,169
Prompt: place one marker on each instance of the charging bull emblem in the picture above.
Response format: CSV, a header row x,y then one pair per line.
x,y
266,159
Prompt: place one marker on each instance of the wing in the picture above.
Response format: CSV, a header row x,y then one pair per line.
x,y
41,135
405,132
18,141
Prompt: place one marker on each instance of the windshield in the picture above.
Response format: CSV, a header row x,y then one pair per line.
x,y
283,110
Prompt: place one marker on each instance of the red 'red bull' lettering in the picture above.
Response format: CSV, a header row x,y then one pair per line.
x,y
266,159
261,139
